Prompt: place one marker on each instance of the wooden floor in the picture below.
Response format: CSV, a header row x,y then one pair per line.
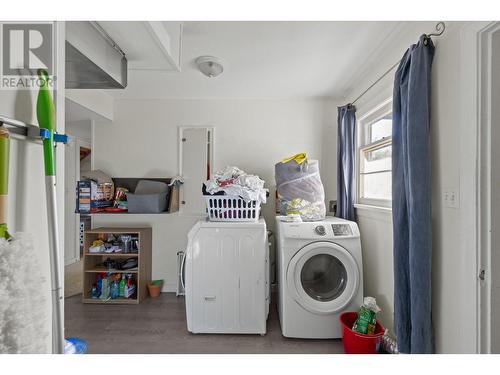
x,y
159,326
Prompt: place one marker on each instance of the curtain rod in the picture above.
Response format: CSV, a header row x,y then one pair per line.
x,y
440,27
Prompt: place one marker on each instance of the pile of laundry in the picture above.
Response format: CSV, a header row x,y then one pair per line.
x,y
233,181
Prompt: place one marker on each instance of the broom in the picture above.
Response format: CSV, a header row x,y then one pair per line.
x,y
24,307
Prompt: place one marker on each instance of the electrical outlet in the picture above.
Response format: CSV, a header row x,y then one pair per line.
x,y
451,198
331,206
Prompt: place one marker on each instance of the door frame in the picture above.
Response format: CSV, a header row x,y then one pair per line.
x,y
475,167
483,175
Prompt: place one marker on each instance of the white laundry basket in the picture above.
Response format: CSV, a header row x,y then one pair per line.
x,y
231,208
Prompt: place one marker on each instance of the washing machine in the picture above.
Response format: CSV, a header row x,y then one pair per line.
x,y
320,275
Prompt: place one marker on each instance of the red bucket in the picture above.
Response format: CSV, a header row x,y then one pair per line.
x,y
359,343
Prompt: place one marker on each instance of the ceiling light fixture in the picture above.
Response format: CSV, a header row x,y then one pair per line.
x,y
210,66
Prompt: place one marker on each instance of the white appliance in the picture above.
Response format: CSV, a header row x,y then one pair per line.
x,y
320,275
226,277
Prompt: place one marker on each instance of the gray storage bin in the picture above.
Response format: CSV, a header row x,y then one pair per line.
x,y
149,197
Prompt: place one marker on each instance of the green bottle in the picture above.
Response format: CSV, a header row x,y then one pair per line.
x,y
122,286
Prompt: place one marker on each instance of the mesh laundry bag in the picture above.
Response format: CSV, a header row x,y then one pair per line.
x,y
300,190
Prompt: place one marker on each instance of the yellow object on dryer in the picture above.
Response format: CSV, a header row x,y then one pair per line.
x,y
298,158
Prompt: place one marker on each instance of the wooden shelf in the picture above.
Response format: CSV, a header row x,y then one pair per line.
x,y
112,270
92,263
126,255
117,301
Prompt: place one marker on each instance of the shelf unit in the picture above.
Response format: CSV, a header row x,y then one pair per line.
x,y
142,273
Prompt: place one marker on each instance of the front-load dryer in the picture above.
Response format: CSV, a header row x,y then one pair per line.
x,y
320,275
225,273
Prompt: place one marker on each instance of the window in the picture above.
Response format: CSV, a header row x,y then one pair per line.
x,y
375,157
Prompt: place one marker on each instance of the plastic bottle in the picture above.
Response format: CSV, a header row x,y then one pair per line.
x,y
93,291
122,286
104,289
99,284
115,290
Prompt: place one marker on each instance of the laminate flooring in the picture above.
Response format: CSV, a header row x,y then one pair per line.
x,y
158,325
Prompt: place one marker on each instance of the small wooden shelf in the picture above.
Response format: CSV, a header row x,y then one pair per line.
x,y
117,301
113,270
124,255
92,263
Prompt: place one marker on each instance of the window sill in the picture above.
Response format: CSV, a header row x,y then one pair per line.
x,y
371,207
374,212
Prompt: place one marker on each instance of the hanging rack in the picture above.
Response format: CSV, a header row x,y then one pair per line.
x,y
440,28
29,131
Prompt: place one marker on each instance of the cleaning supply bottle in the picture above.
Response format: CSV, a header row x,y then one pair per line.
x,y
122,286
115,293
99,284
104,290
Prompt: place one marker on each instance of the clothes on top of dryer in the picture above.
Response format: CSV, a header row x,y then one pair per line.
x,y
234,181
300,190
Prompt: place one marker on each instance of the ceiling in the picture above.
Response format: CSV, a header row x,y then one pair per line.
x,y
261,59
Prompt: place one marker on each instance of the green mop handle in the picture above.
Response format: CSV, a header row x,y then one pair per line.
x,y
4,180
46,119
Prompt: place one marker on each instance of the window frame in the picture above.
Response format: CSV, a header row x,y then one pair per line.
x,y
364,144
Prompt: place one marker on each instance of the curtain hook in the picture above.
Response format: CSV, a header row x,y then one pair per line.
x,y
440,27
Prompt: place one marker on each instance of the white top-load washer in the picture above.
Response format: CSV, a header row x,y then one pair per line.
x,y
226,277
320,275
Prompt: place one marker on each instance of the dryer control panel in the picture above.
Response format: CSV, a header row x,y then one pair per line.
x,y
326,229
342,230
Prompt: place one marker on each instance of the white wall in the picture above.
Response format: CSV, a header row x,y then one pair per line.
x,y
81,129
27,210
251,134
454,278
83,102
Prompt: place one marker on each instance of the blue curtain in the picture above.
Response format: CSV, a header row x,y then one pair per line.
x,y
411,199
346,138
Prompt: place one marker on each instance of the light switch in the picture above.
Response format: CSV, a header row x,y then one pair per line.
x,y
451,198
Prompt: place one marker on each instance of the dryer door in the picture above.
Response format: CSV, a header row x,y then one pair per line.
x,y
323,277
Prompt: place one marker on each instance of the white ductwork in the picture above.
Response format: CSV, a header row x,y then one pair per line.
x,y
93,59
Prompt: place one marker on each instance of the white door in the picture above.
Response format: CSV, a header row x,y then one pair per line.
x,y
323,277
195,159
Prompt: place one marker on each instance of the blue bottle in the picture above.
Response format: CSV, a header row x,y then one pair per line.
x,y
93,291
115,290
99,285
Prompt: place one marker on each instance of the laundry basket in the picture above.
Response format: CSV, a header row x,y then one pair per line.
x,y
231,208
